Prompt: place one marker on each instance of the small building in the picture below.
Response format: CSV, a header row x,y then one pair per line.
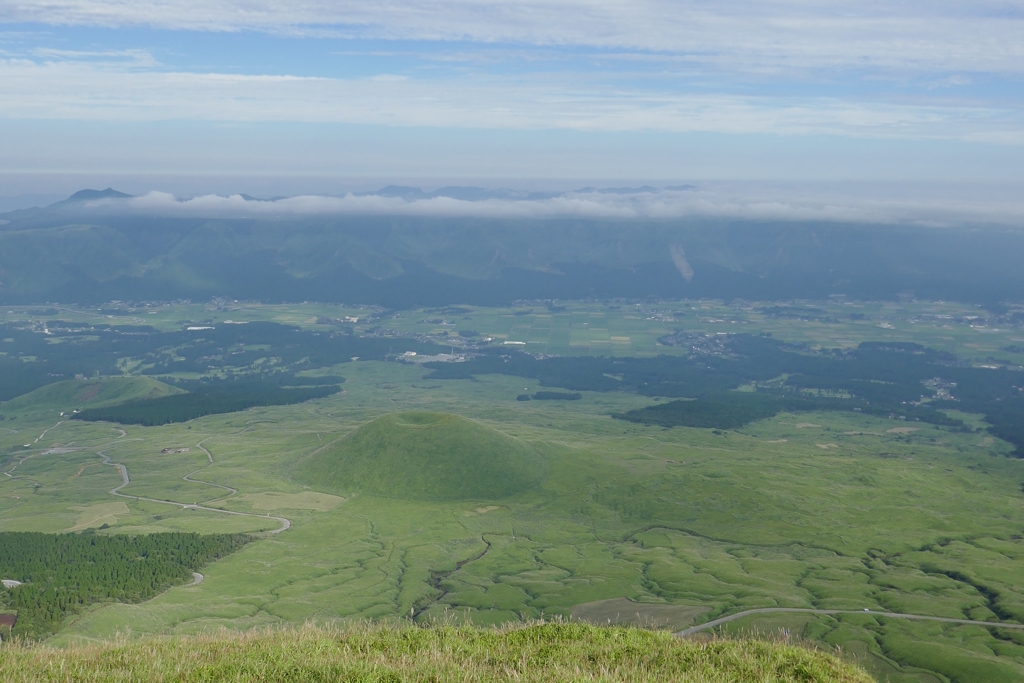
x,y
8,620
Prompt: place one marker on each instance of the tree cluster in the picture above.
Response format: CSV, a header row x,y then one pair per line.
x,y
887,379
64,573
151,412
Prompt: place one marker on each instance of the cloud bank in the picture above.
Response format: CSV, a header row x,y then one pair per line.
x,y
733,201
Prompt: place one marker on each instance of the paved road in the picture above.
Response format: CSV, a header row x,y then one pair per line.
x,y
125,480
209,456
116,491
892,615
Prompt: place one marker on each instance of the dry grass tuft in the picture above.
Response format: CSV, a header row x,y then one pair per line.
x,y
546,652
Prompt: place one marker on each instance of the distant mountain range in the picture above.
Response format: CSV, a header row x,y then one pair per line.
x,y
72,251
408,193
87,195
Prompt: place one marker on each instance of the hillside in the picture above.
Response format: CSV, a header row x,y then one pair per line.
x,y
74,252
75,394
546,652
425,456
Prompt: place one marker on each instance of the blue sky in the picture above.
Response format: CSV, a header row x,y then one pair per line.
x,y
323,94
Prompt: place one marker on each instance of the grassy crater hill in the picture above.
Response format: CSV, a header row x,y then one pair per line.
x,y
89,393
440,654
425,456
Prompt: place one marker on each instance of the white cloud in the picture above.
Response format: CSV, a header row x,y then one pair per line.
x,y
94,89
979,36
137,58
914,70
927,205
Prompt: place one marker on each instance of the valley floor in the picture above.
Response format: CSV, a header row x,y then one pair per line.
x,y
672,528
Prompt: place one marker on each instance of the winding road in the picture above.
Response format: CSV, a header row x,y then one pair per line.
x,y
125,480
209,456
893,615
286,524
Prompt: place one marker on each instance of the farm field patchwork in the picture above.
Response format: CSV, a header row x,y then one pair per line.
x,y
621,329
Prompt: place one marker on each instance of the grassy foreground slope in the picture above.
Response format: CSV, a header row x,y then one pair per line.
x,y
544,652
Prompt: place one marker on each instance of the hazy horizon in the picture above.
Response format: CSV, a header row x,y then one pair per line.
x,y
917,92
946,204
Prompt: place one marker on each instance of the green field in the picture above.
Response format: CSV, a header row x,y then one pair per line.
x,y
425,456
675,526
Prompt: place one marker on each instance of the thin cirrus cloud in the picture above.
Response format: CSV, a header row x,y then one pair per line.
x,y
65,86
918,71
980,36
836,67
137,57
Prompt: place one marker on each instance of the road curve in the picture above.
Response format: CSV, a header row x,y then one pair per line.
x,y
892,615
116,491
209,456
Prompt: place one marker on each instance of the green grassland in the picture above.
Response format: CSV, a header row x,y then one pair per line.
x,y
74,395
825,510
425,456
539,652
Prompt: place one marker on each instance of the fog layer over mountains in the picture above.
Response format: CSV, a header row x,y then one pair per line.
x,y
927,204
405,246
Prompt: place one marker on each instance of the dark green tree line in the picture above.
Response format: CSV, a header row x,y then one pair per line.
x,y
63,573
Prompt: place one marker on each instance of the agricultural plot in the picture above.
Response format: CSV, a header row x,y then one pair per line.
x,y
631,329
623,329
611,520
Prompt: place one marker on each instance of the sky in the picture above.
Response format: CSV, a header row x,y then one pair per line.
x,y
328,96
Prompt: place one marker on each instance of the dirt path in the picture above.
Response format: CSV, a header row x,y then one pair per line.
x,y
116,491
891,615
46,430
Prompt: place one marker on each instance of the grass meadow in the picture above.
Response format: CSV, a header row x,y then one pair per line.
x,y
441,654
673,526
